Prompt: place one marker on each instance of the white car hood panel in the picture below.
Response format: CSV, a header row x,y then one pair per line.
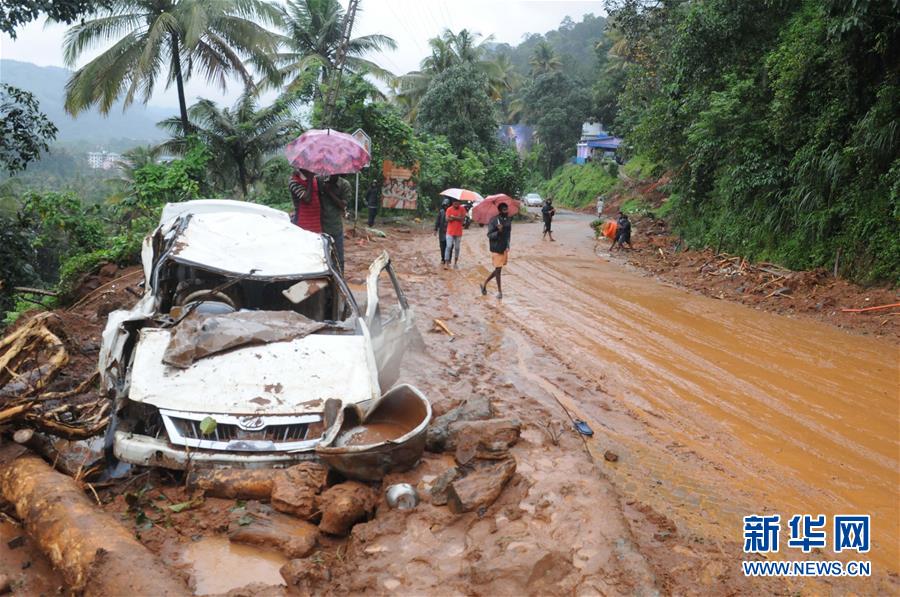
x,y
294,377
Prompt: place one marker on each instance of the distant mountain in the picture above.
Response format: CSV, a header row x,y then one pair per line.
x,y
47,83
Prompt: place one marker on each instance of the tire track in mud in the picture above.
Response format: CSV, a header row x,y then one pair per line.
x,y
717,411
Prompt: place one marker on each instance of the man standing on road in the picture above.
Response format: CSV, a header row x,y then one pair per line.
x,y
335,196
499,233
373,196
547,212
456,215
440,228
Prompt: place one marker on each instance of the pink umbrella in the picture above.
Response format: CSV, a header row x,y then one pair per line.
x,y
487,209
326,151
462,195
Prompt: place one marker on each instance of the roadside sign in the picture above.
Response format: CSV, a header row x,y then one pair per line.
x,y
364,140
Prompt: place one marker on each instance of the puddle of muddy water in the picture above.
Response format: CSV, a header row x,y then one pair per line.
x,y
217,565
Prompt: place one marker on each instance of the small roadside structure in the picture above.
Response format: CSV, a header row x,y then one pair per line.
x,y
595,143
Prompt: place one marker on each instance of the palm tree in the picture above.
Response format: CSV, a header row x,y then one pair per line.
x,y
134,159
502,76
177,37
312,34
447,51
544,60
240,138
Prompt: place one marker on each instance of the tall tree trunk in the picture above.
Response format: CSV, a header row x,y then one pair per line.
x,y
179,83
242,174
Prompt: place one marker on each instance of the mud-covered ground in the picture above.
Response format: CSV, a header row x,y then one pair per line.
x,y
715,411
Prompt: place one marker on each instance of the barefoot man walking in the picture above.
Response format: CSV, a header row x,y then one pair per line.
x,y
499,231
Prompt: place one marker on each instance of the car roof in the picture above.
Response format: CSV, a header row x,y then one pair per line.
x,y
248,243
197,206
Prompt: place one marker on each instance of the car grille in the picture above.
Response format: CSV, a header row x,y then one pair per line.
x,y
249,433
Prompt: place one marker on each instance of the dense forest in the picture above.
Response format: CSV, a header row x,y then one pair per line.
x,y
780,121
776,122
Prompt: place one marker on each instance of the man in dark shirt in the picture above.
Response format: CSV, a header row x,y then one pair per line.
x,y
547,212
499,233
623,233
440,228
335,193
373,195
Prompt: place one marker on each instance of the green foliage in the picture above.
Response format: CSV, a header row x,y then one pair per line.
x,y
577,186
157,184
27,302
640,167
20,12
24,131
57,225
122,249
238,139
457,107
16,258
779,120
573,42
557,106
274,188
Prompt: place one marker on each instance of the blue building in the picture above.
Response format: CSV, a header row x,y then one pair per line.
x,y
595,143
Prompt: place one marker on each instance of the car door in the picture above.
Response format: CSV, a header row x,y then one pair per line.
x,y
389,319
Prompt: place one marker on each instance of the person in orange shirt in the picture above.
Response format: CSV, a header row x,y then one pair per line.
x,y
456,215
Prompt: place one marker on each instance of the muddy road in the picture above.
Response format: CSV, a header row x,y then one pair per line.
x,y
715,410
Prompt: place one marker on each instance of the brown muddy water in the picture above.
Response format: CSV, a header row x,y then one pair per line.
x,y
373,433
217,565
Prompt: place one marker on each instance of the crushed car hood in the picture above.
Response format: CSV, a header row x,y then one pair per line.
x,y
279,378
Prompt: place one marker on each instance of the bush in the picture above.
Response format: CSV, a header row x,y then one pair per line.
x,y
577,186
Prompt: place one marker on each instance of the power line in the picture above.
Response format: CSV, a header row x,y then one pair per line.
x,y
403,24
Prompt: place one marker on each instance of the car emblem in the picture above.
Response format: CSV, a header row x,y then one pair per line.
x,y
251,423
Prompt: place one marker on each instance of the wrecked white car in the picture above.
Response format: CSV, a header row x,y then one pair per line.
x,y
245,329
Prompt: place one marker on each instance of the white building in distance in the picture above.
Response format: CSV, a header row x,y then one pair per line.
x,y
102,160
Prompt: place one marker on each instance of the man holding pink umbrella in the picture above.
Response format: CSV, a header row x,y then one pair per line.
x,y
499,233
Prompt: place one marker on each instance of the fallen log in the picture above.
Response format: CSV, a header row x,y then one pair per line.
x,y
92,550
242,484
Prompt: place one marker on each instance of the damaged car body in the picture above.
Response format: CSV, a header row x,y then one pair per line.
x,y
244,331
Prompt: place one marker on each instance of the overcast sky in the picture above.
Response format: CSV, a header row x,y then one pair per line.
x,y
410,22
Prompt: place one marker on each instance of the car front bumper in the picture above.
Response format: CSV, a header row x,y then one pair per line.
x,y
148,451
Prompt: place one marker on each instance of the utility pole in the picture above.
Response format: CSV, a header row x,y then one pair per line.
x,y
335,83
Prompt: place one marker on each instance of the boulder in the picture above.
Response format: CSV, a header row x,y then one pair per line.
x,y
480,487
293,538
294,492
344,505
441,486
474,409
304,576
490,439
